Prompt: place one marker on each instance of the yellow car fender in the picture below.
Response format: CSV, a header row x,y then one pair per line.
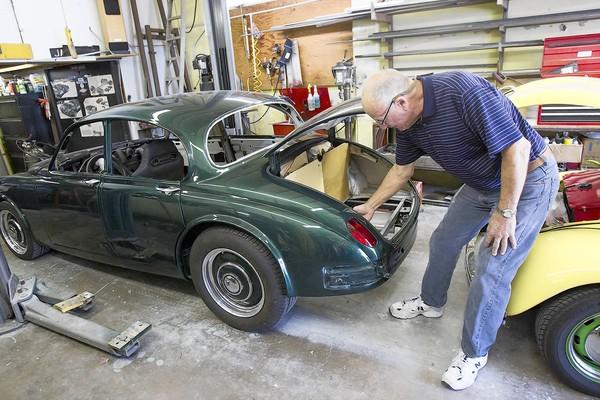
x,y
561,258
576,90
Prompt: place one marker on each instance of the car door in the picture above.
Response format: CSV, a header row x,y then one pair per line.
x,y
141,210
69,201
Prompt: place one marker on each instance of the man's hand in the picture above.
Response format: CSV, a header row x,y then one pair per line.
x,y
500,232
396,177
365,210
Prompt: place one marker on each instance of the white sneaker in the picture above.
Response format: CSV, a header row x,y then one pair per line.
x,y
463,370
413,307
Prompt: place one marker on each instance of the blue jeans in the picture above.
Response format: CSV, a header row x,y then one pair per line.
x,y
489,293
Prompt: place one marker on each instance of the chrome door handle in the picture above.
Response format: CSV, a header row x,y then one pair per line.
x,y
168,190
92,182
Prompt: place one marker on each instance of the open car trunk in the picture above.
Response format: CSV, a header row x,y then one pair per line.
x,y
351,175
312,156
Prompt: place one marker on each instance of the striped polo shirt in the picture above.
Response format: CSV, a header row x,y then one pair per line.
x,y
466,123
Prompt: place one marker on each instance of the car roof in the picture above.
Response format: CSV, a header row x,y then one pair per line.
x,y
184,113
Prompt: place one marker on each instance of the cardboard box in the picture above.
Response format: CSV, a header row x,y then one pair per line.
x,y
591,151
15,51
330,175
566,152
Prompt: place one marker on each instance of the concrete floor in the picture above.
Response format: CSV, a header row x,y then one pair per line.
x,y
329,348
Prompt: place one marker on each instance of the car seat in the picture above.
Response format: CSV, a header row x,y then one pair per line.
x,y
160,159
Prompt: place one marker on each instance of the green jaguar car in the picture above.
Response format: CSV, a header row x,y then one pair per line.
x,y
195,186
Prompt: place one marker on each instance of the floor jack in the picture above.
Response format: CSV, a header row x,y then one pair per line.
x,y
31,300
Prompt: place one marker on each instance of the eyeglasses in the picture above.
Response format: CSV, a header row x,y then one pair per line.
x,y
387,111
389,107
382,122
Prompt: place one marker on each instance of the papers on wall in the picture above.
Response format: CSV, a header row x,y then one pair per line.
x,y
68,109
64,88
93,104
101,84
93,129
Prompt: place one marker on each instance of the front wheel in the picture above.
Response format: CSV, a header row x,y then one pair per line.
x,y
238,279
568,334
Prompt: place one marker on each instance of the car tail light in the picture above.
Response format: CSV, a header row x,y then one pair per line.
x,y
360,233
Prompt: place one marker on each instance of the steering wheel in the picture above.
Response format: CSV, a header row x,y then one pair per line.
x,y
118,166
94,165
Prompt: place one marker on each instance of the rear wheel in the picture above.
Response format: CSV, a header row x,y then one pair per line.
x,y
17,235
238,279
568,334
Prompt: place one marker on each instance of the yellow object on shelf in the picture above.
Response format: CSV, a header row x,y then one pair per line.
x,y
15,51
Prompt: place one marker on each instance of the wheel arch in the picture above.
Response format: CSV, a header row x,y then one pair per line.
x,y
3,197
560,260
564,292
520,306
197,226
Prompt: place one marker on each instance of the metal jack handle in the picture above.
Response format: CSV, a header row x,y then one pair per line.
x,y
7,280
28,300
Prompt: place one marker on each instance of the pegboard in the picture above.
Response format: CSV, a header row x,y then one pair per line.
x,y
320,48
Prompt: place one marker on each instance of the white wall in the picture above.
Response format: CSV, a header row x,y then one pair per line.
x,y
42,25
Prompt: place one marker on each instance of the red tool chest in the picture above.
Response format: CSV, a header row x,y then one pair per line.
x,y
582,195
577,55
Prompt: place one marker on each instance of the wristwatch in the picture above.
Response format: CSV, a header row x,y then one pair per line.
x,y
506,212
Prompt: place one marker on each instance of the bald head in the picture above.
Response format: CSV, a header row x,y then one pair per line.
x,y
380,88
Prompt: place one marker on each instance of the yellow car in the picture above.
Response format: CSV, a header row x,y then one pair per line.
x,y
561,276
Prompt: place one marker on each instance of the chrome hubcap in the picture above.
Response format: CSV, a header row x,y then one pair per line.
x,y
583,348
12,233
233,283
592,346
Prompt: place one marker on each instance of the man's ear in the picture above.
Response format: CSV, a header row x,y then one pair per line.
x,y
402,102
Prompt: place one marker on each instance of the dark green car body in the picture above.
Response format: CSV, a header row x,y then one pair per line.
x,y
129,222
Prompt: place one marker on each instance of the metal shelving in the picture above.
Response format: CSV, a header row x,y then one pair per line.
x,y
490,25
376,12
9,65
474,47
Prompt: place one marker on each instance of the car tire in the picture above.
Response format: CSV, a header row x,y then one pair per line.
x,y
16,234
239,279
568,335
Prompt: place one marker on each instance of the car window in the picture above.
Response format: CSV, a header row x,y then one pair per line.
x,y
247,131
82,150
148,151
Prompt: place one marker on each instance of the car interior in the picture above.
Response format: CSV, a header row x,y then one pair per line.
x,y
159,156
244,133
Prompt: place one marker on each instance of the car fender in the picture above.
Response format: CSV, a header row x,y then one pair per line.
x,y
561,258
575,90
21,214
220,219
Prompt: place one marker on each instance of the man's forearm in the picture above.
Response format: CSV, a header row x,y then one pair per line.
x,y
396,177
514,172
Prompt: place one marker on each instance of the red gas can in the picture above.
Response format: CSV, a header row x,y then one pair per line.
x,y
582,195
